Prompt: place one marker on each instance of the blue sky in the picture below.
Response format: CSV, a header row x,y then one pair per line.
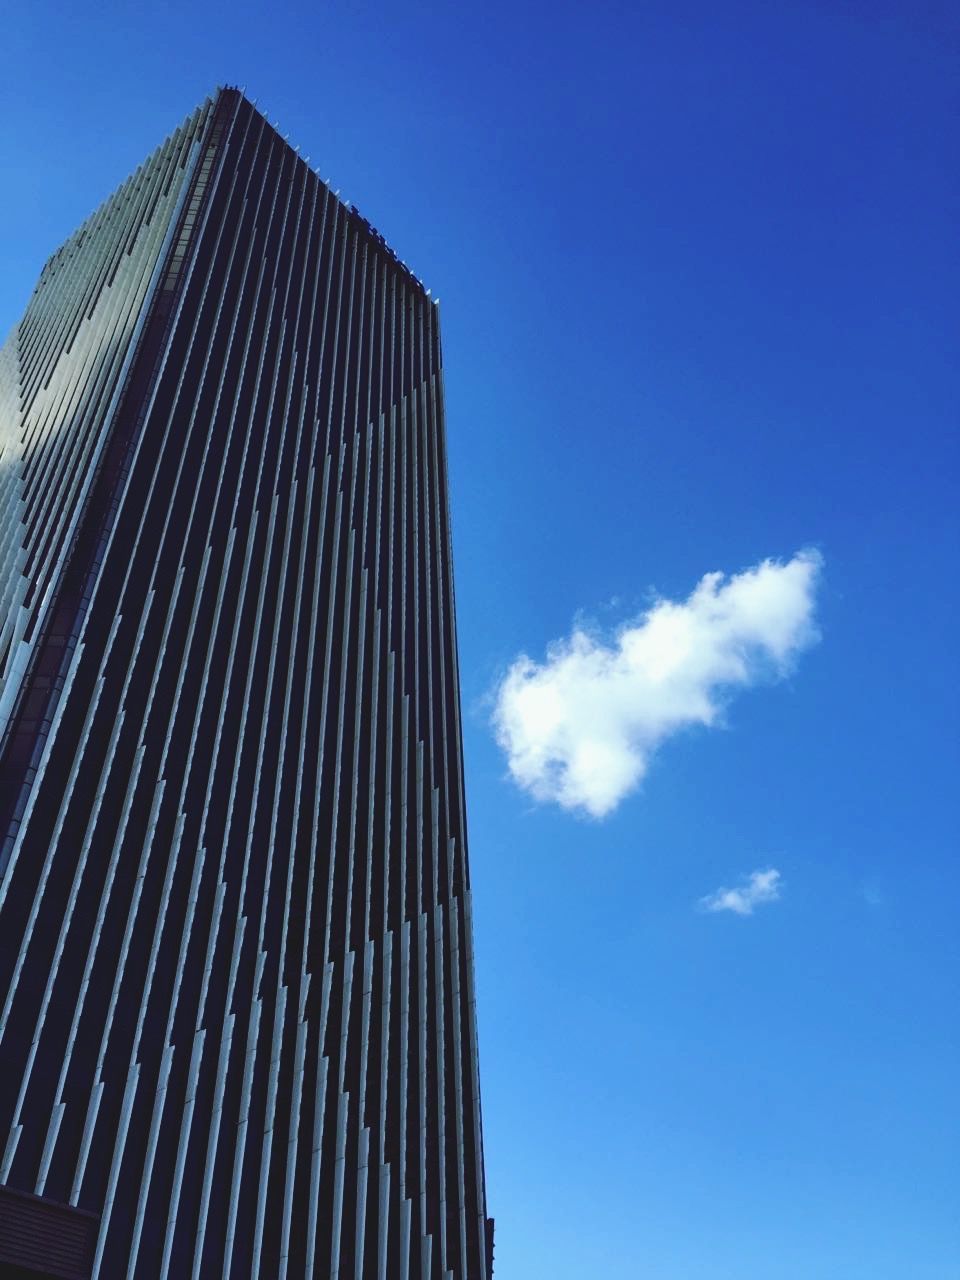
x,y
698,273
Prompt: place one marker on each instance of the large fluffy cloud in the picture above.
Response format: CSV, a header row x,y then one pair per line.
x,y
580,727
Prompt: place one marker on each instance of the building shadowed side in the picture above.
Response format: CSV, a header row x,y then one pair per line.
x,y
238,1019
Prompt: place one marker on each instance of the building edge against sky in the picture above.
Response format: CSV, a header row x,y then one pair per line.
x,y
238,1027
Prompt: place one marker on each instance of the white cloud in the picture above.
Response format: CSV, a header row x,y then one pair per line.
x,y
580,728
759,887
872,895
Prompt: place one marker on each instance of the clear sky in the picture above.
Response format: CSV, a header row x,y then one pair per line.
x,y
699,280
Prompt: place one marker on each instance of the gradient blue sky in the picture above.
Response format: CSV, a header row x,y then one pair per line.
x,y
699,279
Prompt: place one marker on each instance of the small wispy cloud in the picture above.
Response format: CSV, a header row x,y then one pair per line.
x,y
581,727
871,895
757,888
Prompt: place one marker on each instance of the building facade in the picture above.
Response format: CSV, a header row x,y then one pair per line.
x,y
238,1032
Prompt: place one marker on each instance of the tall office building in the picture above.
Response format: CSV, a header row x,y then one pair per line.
x,y
238,1024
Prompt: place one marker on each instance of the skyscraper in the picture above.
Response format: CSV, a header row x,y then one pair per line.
x,y
238,1020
